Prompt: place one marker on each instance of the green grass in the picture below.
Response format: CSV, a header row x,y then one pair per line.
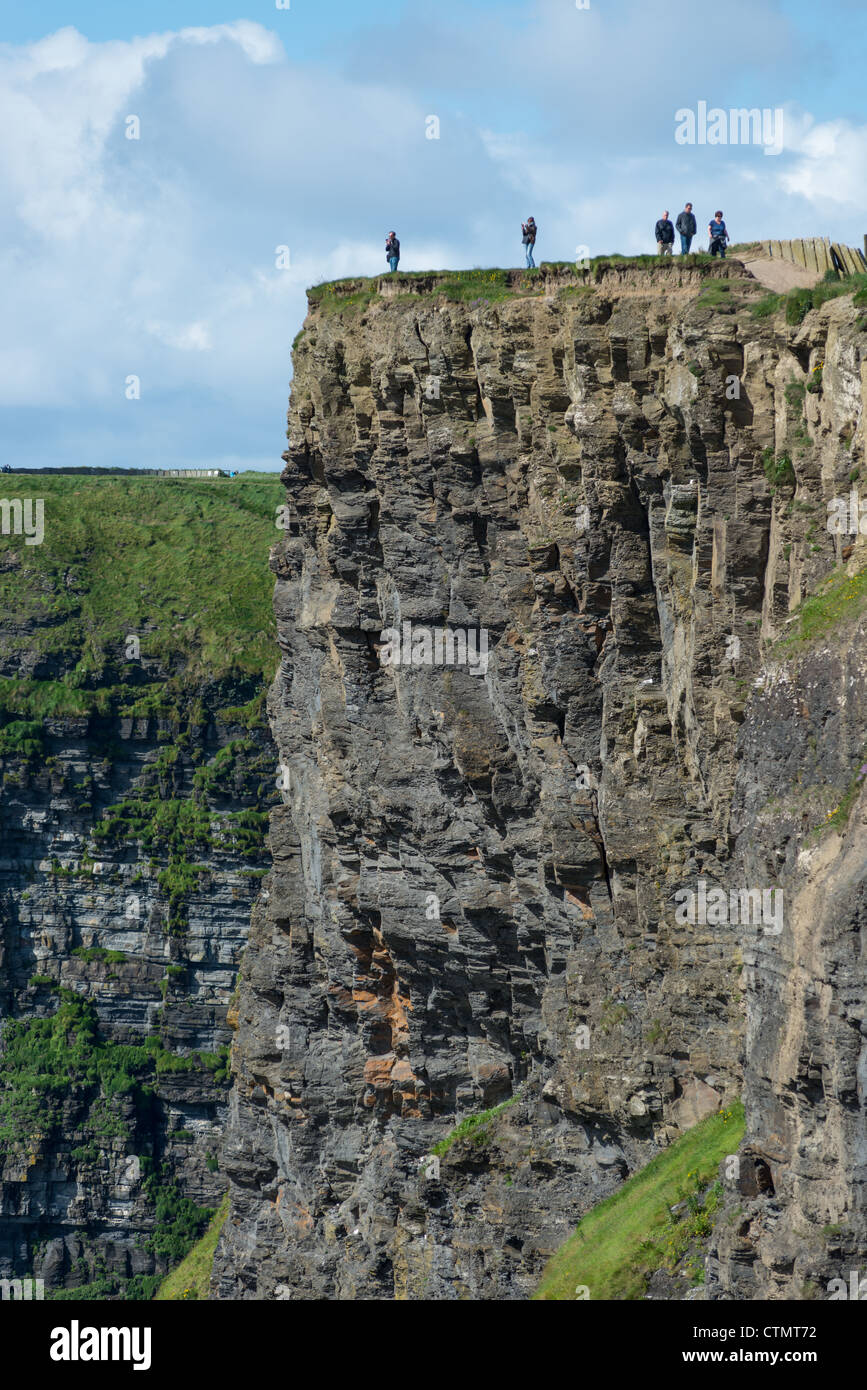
x,y
179,1222
22,737
47,1063
795,393
177,1228
800,302
459,286
177,826
465,286
489,284
838,599
329,300
779,469
192,1278
181,565
768,306
838,817
715,295
113,1287
99,953
619,1243
476,1129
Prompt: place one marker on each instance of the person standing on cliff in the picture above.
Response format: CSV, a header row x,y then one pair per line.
x,y
528,234
686,225
664,233
716,230
392,251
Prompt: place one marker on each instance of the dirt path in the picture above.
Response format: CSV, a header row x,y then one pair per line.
x,y
780,275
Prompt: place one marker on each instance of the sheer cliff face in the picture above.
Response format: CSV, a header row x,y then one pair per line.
x,y
73,1204
473,892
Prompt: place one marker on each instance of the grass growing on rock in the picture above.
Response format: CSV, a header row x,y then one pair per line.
x,y
179,1221
779,469
192,1278
838,816
799,302
620,1242
492,284
839,598
767,306
48,1064
476,1129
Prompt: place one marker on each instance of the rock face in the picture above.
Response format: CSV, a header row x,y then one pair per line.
x,y
130,855
614,485
795,1220
74,1205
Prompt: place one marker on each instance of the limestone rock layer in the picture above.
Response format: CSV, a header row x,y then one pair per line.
x,y
619,482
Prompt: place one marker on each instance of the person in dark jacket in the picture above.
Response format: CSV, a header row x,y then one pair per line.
x,y
716,230
528,236
392,251
686,225
664,235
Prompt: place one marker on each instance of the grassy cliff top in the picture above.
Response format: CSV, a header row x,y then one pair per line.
x,y
181,565
496,283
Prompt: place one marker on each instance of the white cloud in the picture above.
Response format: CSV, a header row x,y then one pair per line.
x,y
831,162
256,43
191,337
157,256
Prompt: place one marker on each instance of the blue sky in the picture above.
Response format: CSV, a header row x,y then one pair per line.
x,y
305,128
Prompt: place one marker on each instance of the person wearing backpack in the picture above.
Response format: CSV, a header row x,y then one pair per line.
x,y
392,251
664,233
528,232
716,230
686,225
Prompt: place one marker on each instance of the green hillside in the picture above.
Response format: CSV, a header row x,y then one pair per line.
x,y
179,565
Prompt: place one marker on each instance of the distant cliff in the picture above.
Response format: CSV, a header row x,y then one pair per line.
x,y
617,479
137,770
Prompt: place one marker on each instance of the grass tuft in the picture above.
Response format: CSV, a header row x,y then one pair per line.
x,y
476,1129
839,598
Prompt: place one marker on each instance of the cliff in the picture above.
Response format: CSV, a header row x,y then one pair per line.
x,y
137,770
618,480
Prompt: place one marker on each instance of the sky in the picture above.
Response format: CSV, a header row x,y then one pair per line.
x,y
152,286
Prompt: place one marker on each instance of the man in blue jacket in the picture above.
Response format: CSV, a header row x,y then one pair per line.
x,y
392,251
686,225
664,235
